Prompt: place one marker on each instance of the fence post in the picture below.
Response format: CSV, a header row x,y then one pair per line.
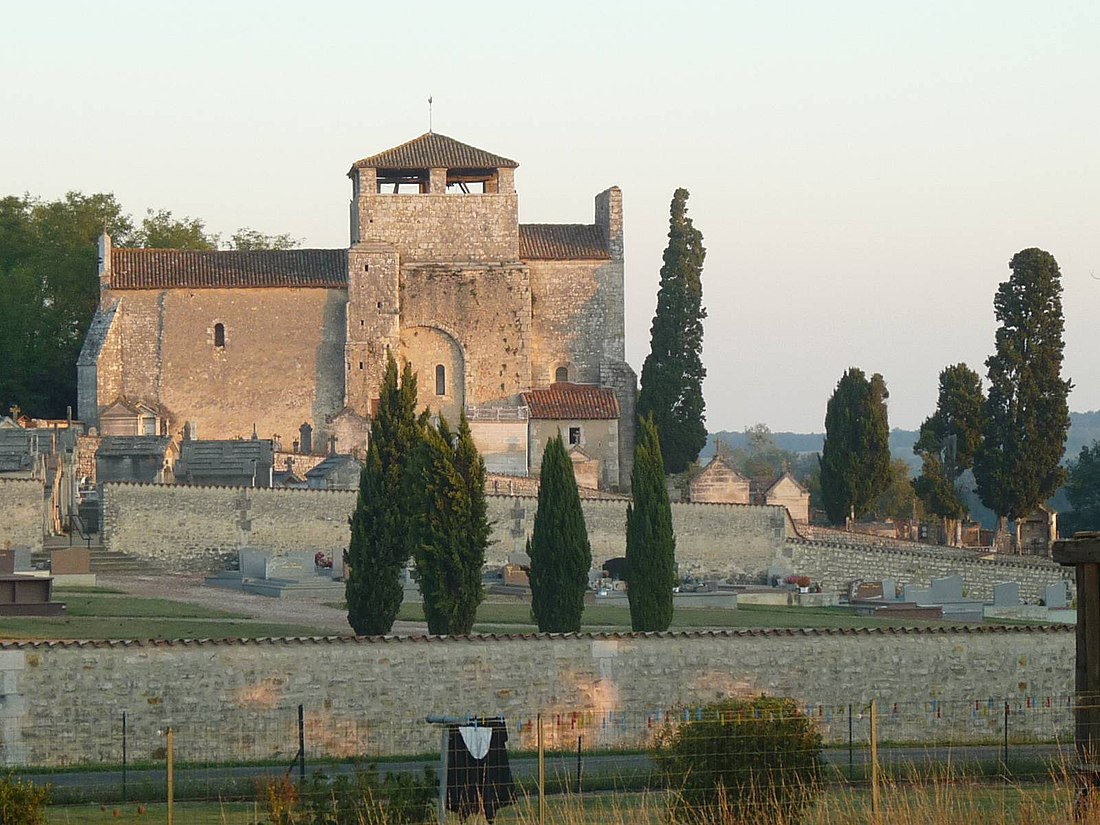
x,y
171,777
542,773
123,756
876,801
579,738
301,743
1006,739
851,746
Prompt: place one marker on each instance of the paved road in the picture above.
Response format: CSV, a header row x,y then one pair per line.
x,y
559,767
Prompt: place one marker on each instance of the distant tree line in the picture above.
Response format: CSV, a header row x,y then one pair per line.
x,y
49,290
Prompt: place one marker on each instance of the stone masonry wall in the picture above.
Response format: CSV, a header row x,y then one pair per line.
x,y
22,509
62,701
443,227
835,565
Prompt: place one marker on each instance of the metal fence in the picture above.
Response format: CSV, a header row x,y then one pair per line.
x,y
127,757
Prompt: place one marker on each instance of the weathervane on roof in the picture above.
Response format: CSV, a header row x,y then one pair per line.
x,y
429,114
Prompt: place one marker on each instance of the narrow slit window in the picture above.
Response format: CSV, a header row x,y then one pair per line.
x,y
574,435
440,379
219,336
561,374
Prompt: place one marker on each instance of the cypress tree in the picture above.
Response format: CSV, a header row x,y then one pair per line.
x,y
650,541
1027,410
559,550
453,529
381,525
673,372
855,459
949,440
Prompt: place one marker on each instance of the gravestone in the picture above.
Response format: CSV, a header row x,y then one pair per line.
x,y
948,589
296,566
71,561
252,562
889,590
1006,594
915,594
15,560
1055,596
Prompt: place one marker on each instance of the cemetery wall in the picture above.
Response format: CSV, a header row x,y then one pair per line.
x,y
190,528
61,702
836,565
22,507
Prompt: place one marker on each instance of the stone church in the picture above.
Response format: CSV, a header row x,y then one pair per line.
x,y
493,314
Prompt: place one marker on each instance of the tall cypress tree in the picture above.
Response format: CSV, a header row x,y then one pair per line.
x,y
949,440
673,372
1027,409
855,460
650,541
559,551
453,528
383,520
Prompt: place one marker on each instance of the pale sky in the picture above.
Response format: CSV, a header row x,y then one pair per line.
x,y
861,172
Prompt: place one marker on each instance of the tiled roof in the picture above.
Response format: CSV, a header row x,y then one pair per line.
x,y
330,464
561,242
743,633
435,151
572,401
177,268
17,450
123,445
230,457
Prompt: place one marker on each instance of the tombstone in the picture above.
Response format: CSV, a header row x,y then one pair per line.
x,y
1006,594
914,593
889,590
948,589
15,560
71,561
306,434
252,562
1055,596
296,566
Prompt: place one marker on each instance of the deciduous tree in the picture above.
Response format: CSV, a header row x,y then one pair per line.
x,y
382,525
1027,412
559,551
650,541
673,372
855,459
452,528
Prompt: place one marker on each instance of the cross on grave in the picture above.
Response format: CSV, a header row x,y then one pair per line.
x,y
244,523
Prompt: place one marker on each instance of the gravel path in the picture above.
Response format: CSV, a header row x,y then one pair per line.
x,y
191,590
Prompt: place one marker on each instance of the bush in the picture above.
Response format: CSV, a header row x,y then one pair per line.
x,y
741,761
21,802
352,799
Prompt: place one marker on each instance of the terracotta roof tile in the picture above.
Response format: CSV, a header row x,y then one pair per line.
x,y
562,242
177,268
564,400
435,151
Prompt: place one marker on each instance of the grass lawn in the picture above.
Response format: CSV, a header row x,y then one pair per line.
x,y
512,617
118,616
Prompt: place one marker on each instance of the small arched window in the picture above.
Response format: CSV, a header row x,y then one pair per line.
x,y
561,374
440,379
219,335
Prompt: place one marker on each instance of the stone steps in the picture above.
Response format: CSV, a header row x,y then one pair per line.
x,y
103,560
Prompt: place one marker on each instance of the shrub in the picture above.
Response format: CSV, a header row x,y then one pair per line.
x,y
741,760
21,802
352,799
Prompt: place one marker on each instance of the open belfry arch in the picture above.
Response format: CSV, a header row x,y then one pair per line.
x,y
438,271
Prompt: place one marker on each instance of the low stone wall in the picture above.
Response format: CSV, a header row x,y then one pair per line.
x,y
62,702
835,565
22,512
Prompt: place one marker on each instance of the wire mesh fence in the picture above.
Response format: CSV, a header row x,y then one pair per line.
x,y
622,749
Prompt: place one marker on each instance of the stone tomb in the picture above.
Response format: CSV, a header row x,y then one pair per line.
x,y
1006,594
293,575
24,594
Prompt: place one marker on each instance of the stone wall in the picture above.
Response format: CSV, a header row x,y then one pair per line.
x,y
61,702
168,358
22,512
835,565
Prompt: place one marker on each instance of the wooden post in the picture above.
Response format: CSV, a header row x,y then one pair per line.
x,y
171,776
876,797
542,774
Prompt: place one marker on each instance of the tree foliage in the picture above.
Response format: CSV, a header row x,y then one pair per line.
x,y
673,372
741,760
650,541
245,239
452,530
382,525
559,551
160,229
897,499
949,440
855,459
762,457
1027,411
1083,491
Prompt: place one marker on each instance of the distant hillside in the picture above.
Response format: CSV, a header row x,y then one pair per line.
x,y
1084,429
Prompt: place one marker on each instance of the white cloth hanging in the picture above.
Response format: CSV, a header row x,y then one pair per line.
x,y
477,740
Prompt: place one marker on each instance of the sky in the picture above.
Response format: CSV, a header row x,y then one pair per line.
x,y
862,172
